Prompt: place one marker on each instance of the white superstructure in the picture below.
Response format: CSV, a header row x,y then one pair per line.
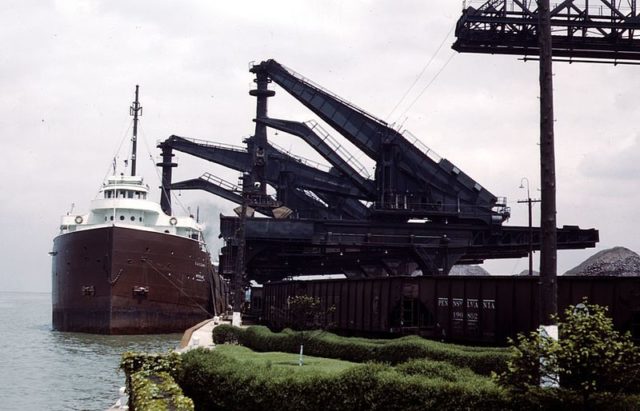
x,y
123,202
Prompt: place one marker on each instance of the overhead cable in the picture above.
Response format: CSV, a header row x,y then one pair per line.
x,y
424,69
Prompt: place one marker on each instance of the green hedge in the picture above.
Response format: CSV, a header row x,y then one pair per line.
x,y
150,382
565,400
157,391
438,369
480,360
133,362
226,334
427,375
217,382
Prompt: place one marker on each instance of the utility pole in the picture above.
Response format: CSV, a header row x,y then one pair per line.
x,y
548,249
504,27
529,201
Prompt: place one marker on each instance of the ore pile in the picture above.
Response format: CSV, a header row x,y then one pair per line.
x,y
474,270
617,261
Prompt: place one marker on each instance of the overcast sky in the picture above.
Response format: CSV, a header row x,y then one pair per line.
x,y
69,69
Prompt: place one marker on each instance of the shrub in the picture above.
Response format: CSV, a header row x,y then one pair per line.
x,y
157,391
218,383
306,313
150,383
593,363
438,369
406,348
133,362
481,361
225,334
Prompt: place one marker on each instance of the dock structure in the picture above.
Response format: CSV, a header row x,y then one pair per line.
x,y
200,335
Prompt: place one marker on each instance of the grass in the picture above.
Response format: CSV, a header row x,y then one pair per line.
x,y
319,365
235,378
482,360
285,360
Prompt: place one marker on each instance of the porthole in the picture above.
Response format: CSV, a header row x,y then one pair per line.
x,y
140,218
111,218
133,218
105,218
121,218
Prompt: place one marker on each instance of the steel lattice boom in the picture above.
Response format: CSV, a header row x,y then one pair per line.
x,y
596,30
419,212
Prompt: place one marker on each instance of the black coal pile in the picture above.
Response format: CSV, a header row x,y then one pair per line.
x,y
617,261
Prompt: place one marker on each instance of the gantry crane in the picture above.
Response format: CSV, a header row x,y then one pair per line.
x,y
419,212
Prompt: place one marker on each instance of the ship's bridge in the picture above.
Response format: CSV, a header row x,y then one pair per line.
x,y
122,201
125,187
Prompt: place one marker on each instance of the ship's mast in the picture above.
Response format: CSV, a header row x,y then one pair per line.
x,y
136,111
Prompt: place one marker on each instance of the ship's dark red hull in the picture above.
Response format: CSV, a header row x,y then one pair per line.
x,y
116,280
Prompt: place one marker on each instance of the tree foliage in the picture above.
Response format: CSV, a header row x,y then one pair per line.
x,y
589,358
309,317
307,313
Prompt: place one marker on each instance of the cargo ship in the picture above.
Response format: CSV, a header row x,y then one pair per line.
x,y
126,267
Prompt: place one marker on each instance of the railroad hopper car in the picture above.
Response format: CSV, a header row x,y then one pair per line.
x,y
484,310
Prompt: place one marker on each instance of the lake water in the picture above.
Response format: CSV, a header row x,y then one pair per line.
x,y
42,369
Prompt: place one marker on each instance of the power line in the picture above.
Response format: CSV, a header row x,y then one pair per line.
x,y
433,79
424,69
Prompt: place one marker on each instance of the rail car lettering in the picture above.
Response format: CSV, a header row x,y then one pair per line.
x,y
489,304
443,302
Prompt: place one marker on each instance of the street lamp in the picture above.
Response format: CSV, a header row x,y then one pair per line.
x,y
529,201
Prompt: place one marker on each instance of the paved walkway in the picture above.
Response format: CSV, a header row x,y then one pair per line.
x,y
200,335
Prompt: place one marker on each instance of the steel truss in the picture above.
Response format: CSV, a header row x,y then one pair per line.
x,y
596,30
